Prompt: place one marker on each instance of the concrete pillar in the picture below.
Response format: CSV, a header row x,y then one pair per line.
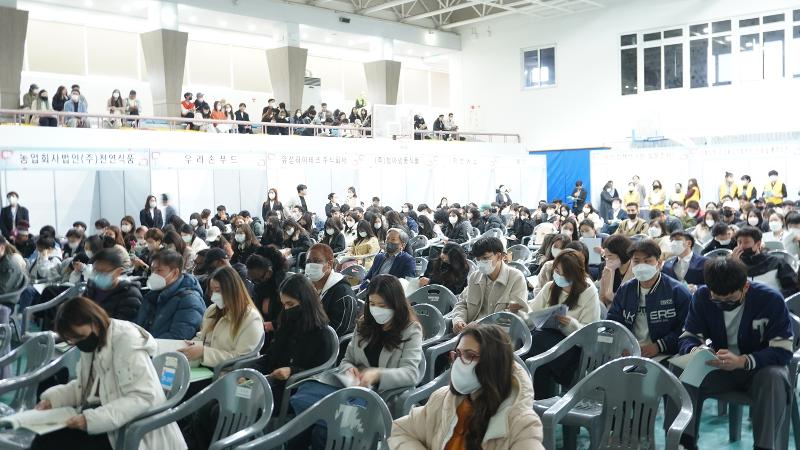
x,y
165,58
13,29
287,34
162,15
383,81
287,72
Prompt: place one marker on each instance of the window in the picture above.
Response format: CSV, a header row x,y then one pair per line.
x,y
796,50
673,33
652,37
673,66
627,40
721,58
774,67
539,67
698,60
699,30
721,27
750,67
775,18
652,69
749,23
629,62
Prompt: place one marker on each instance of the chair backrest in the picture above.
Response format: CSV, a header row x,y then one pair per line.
x,y
631,389
773,245
601,342
357,418
173,372
516,328
521,267
25,362
542,230
432,321
33,310
417,242
5,339
473,266
519,252
786,256
422,265
355,271
493,232
436,295
793,303
720,253
12,298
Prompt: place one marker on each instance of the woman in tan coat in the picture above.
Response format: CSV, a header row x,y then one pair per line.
x,y
488,404
365,244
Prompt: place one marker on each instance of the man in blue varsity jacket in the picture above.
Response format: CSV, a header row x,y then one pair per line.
x,y
762,266
750,330
653,306
685,266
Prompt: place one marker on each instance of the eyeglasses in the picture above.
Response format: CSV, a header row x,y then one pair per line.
x,y
485,258
466,356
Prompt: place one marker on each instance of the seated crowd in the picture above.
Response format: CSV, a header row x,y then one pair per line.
x,y
229,283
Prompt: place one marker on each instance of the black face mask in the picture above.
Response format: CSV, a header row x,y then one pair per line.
x,y
748,254
632,216
444,266
725,305
291,315
88,344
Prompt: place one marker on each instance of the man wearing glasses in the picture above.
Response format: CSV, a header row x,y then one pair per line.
x,y
494,287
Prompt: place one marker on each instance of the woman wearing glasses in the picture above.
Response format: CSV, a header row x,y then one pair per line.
x,y
488,404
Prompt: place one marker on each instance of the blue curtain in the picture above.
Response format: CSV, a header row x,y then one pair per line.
x,y
564,168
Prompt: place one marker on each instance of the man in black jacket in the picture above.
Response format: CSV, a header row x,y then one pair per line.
x,y
11,215
761,266
215,258
120,298
242,115
334,289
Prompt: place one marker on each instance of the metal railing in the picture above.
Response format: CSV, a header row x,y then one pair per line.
x,y
115,121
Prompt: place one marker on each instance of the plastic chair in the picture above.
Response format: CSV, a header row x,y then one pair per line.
x,y
362,425
5,339
32,310
355,271
639,237
34,352
519,253
720,253
436,295
174,373
773,245
229,364
599,342
417,244
244,410
517,330
631,390
11,299
422,265
332,348
521,267
433,324
786,256
493,232
793,303
472,266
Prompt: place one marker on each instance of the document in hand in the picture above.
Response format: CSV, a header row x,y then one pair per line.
x,y
346,379
169,345
546,318
40,421
591,244
694,366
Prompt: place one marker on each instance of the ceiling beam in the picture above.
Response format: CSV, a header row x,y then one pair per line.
x,y
467,4
550,6
497,15
382,6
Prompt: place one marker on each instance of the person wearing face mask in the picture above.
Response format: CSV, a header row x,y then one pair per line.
x,y
523,226
775,228
271,203
501,195
492,288
578,197
450,269
115,361
42,105
483,358
350,232
115,103
616,214
333,288
774,190
692,193
191,239
384,354
747,189
616,267
722,235
174,306
120,299
571,286
333,236
150,215
763,267
723,318
393,260
728,187
634,224
653,305
245,243
588,212
11,215
631,195
607,196
657,231
365,244
553,249
702,231
457,228
12,275
273,232
791,238
127,227
685,266
75,240
76,104
295,239
657,197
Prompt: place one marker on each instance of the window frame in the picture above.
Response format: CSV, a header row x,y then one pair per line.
x,y
538,48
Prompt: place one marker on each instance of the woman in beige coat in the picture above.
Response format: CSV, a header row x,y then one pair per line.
x,y
488,404
365,244
116,382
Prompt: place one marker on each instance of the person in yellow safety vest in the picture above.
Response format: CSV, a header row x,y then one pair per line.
x,y
728,187
775,190
747,189
692,191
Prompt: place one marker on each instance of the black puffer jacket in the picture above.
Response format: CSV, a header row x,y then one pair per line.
x,y
121,302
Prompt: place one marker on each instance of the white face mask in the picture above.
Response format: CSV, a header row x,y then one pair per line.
x,y
710,222
587,235
75,97
644,272
239,237
654,232
216,298
555,251
377,225
315,271
125,228
363,234
186,238
753,221
773,178
90,254
329,231
115,95
775,226
724,242
453,220
152,204
289,231
350,223
615,206
271,195
381,315
12,200
463,378
73,245
193,222
677,247
486,267
155,282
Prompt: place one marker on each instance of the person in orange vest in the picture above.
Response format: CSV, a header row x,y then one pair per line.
x,y
728,187
775,190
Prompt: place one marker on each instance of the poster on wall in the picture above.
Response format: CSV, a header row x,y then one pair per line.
x,y
73,159
221,160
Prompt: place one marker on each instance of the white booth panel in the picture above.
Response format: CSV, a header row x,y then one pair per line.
x,y
110,192
226,190
37,193
77,199
195,189
137,188
253,190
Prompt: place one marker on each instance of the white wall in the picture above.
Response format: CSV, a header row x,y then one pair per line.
x,y
586,108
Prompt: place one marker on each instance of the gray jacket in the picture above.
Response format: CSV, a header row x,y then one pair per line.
x,y
399,367
11,276
482,298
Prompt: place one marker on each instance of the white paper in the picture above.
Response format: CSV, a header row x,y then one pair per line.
x,y
591,243
170,345
40,287
697,369
346,379
410,285
545,318
41,421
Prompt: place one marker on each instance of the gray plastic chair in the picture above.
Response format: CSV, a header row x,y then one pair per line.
x,y
355,271
631,390
493,232
519,253
34,352
422,265
517,330
433,324
332,350
521,267
472,266
32,310
174,374
773,245
5,339
10,299
350,426
417,244
228,365
436,295
600,342
244,410
720,253
786,256
793,303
